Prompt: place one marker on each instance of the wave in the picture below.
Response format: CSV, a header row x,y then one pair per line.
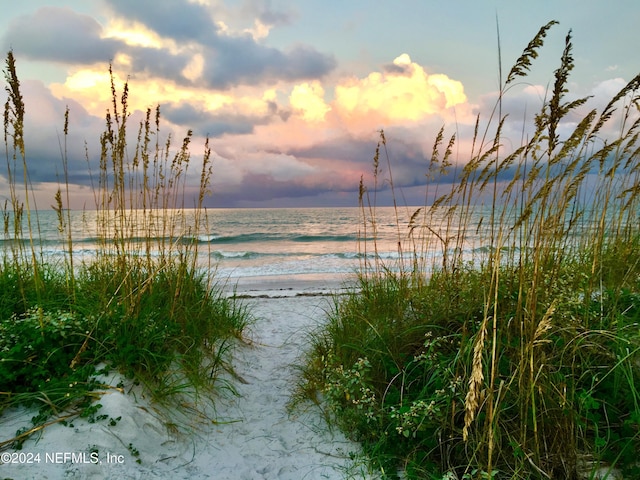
x,y
257,237
251,255
261,237
225,255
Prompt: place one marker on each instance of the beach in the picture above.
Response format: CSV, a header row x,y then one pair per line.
x,y
246,431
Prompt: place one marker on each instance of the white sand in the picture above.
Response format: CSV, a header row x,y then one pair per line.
x,y
253,436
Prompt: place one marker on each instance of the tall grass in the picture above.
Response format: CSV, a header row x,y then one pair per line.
x,y
142,304
515,354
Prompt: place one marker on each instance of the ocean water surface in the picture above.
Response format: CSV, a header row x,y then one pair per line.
x,y
255,247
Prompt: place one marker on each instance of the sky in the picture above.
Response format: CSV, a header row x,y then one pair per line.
x,y
293,95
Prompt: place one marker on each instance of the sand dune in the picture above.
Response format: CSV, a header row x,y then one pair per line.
x,y
250,435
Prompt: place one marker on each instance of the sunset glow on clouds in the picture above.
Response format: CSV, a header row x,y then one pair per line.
x,y
405,92
308,100
292,98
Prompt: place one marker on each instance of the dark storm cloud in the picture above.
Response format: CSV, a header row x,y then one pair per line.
x,y
61,35
229,60
242,60
177,19
259,188
409,163
346,149
304,62
207,124
155,62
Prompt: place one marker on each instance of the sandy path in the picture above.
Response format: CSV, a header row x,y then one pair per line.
x,y
254,436
267,442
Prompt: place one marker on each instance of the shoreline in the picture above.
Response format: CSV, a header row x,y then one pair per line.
x,y
279,286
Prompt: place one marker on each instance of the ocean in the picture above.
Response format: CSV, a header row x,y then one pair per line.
x,y
287,249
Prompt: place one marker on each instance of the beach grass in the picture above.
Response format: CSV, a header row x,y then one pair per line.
x,y
515,351
141,306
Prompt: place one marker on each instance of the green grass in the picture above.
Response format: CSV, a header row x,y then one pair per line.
x,y
523,361
144,308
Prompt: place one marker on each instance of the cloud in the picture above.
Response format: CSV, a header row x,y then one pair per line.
x,y
134,33
308,99
206,112
226,57
604,91
335,145
269,15
266,17
283,127
177,19
403,92
257,189
344,148
240,60
151,62
279,167
59,34
400,66
45,143
521,105
348,158
246,176
176,40
211,124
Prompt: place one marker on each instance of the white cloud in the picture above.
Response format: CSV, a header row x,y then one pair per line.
x,y
308,99
403,93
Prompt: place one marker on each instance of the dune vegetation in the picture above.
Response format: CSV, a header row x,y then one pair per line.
x,y
140,306
515,351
